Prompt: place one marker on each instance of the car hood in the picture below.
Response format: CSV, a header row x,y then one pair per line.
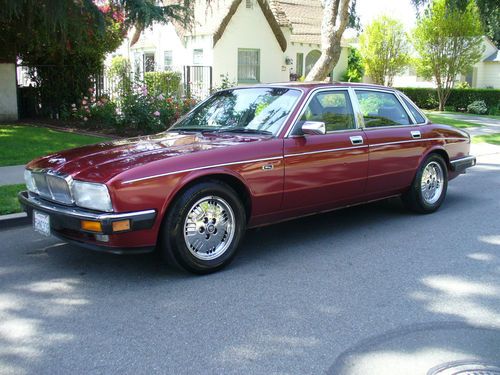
x,y
102,161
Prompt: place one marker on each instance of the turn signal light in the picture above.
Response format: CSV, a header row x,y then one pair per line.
x,y
91,226
120,226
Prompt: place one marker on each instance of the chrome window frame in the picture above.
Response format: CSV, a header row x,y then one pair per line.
x,y
308,99
426,120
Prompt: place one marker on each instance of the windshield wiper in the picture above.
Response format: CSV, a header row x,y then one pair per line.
x,y
245,130
200,130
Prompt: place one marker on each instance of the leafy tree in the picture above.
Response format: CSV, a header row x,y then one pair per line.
x,y
355,69
448,41
64,42
337,15
489,11
384,47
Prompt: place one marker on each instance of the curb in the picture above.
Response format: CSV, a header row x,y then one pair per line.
x,y
14,220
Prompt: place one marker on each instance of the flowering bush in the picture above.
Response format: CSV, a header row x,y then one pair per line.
x,y
98,112
138,112
149,113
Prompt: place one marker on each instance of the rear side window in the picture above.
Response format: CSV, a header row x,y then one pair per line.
x,y
381,109
331,107
416,114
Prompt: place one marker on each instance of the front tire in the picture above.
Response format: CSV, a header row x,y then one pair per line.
x,y
428,189
203,227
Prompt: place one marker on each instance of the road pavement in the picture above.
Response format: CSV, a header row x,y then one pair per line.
x,y
366,290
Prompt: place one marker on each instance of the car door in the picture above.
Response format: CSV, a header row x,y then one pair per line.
x,y
395,142
326,168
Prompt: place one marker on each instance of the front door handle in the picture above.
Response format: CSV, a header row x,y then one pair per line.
x,y
356,140
415,134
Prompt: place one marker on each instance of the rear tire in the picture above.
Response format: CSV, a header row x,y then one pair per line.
x,y
203,227
428,189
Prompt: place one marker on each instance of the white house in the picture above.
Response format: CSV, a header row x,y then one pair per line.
x,y
484,74
245,41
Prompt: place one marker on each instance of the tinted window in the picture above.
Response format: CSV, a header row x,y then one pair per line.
x,y
331,107
416,114
381,109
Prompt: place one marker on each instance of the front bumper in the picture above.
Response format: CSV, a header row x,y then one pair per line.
x,y
460,165
65,222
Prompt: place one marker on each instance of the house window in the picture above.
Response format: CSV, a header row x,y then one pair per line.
x,y
149,62
167,60
248,65
300,65
197,57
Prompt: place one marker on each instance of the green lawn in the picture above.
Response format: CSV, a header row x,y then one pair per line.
x,y
442,119
8,198
493,139
19,144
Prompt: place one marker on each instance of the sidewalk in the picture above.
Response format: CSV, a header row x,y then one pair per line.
x,y
12,175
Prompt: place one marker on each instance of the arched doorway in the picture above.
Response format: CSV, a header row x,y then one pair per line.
x,y
311,59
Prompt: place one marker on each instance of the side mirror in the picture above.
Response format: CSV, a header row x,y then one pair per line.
x,y
313,128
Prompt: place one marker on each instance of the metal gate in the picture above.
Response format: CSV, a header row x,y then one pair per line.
x,y
197,81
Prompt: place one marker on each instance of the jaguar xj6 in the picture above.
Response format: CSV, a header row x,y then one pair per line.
x,y
243,158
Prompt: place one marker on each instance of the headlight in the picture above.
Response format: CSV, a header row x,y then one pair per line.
x,y
91,195
30,182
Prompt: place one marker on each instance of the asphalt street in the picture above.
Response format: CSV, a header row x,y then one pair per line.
x,y
371,290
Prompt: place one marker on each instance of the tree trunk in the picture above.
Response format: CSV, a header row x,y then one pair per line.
x,y
331,36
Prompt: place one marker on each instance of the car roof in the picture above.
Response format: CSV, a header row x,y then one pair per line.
x,y
314,85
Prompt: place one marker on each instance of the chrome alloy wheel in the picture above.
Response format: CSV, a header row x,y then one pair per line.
x,y
432,182
209,228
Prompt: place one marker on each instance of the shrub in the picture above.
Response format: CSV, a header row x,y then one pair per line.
x,y
163,83
459,99
98,112
478,107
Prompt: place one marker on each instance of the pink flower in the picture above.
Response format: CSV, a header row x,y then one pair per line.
x,y
85,119
84,102
88,110
91,90
156,113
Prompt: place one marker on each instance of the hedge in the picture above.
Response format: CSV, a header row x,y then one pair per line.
x,y
459,99
165,83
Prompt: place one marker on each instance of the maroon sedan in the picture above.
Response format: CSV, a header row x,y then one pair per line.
x,y
245,157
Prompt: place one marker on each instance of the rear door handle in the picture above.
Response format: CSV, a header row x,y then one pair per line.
x,y
415,134
356,140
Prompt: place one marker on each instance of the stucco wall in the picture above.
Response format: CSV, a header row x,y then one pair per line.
x,y
8,92
249,28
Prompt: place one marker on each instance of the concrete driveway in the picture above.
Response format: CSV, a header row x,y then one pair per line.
x,y
367,290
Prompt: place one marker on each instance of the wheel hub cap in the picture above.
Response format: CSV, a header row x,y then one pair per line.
x,y
432,182
209,228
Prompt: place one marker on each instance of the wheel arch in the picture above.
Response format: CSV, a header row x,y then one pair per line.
x,y
228,178
439,151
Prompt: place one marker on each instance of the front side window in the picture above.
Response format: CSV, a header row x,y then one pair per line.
x,y
252,110
381,109
331,107
248,66
149,62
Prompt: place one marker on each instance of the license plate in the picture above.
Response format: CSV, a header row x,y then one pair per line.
x,y
41,223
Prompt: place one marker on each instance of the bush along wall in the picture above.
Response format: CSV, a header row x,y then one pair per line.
x,y
459,99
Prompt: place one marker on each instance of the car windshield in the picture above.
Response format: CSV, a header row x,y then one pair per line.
x,y
250,110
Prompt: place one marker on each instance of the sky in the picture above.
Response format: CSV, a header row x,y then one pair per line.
x,y
402,10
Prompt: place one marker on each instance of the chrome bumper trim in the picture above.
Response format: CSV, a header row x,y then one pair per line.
x,y
34,202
